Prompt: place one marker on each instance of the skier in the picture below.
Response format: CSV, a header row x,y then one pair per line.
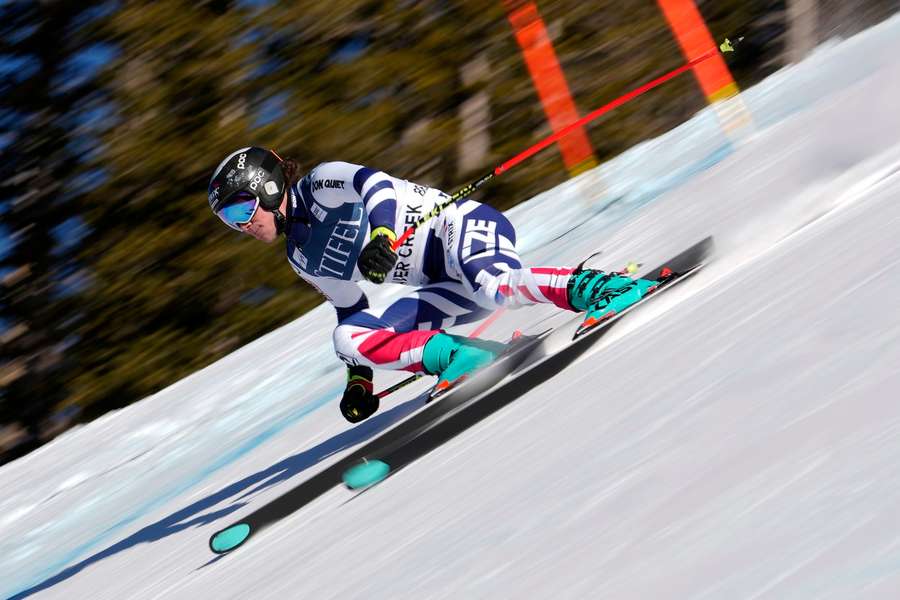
x,y
340,221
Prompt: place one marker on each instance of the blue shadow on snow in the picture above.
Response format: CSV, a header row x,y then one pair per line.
x,y
193,515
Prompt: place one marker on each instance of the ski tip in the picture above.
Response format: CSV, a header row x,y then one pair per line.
x,y
367,473
229,538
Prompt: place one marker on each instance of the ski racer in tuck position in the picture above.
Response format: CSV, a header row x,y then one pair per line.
x,y
340,220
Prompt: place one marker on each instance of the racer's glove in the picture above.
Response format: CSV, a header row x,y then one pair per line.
x,y
377,259
359,402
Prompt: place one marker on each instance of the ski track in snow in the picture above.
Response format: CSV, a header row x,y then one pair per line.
x,y
735,438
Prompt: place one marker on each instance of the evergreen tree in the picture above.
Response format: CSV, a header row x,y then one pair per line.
x,y
172,289
47,53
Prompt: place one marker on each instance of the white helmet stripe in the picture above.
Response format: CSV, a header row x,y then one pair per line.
x,y
222,164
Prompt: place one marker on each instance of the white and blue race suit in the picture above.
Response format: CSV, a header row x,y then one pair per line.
x,y
463,262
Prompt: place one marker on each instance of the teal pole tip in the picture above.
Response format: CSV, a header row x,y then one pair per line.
x,y
230,538
365,474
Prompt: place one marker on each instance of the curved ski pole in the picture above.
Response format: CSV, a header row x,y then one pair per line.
x,y
468,190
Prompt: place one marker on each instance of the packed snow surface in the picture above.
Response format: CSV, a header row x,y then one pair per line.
x,y
738,438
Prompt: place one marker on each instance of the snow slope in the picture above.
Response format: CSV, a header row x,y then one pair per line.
x,y
735,439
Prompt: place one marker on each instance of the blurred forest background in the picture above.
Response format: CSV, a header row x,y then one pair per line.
x,y
116,278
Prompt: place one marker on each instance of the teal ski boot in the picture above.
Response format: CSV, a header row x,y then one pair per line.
x,y
602,295
453,358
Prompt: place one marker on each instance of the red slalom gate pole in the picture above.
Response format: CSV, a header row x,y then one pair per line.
x,y
531,151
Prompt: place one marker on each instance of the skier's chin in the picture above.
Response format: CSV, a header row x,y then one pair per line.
x,y
267,236
263,235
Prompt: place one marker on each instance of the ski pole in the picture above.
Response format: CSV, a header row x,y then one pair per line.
x,y
465,191
397,386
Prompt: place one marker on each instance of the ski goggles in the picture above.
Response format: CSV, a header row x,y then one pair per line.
x,y
239,210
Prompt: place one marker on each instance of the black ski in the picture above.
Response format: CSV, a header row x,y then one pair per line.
x,y
472,404
387,443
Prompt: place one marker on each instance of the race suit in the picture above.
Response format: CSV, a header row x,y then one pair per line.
x,y
462,263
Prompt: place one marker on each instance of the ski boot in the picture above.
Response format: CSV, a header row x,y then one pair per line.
x,y
453,358
602,295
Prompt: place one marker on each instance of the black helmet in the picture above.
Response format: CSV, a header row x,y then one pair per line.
x,y
252,170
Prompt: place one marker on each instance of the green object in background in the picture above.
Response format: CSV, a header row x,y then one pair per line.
x,y
728,45
229,539
365,474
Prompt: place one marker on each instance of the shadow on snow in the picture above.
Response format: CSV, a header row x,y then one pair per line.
x,y
240,491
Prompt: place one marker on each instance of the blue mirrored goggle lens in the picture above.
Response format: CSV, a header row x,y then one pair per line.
x,y
239,211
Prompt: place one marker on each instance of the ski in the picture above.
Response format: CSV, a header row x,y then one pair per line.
x,y
529,363
386,444
451,413
671,272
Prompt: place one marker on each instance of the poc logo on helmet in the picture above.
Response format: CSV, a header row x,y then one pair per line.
x,y
242,161
256,180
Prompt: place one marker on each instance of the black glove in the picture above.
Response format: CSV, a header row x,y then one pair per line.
x,y
359,402
377,258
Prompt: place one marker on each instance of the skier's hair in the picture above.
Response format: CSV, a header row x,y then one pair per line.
x,y
290,167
